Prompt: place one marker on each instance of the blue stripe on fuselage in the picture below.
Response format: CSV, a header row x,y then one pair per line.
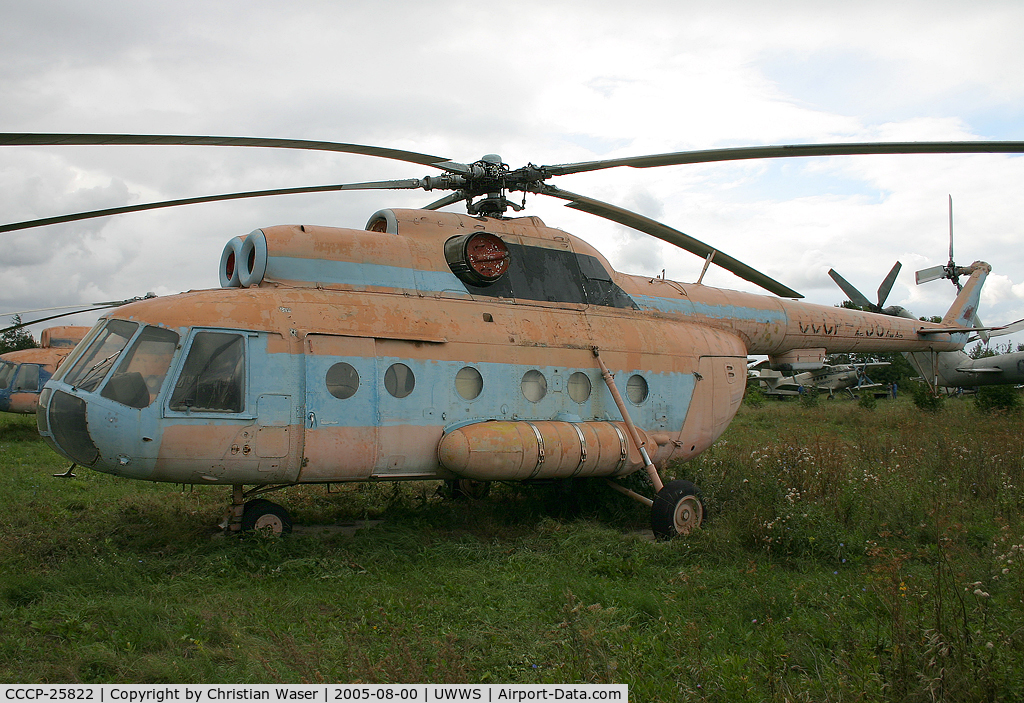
x,y
720,312
435,401
351,273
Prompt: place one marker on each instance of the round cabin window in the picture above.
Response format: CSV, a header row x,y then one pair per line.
x,y
469,383
636,389
399,380
342,380
534,386
579,387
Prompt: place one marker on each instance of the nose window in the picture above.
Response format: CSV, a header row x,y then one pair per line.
x,y
213,376
141,372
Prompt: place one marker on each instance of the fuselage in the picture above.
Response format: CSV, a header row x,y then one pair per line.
x,y
339,355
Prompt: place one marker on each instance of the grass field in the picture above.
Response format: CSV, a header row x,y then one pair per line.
x,y
850,554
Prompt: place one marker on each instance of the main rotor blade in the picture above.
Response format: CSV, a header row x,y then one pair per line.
x,y
788,151
54,317
1011,328
887,283
29,139
855,296
672,236
374,185
446,200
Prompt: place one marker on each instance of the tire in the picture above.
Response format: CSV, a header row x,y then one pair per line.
x,y
260,514
678,510
469,488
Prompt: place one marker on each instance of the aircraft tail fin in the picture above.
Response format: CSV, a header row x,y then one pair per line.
x,y
965,308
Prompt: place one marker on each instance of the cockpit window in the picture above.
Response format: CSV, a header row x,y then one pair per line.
x,y
6,374
27,379
138,377
213,376
93,365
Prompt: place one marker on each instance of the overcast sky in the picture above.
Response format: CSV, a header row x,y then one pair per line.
x,y
543,82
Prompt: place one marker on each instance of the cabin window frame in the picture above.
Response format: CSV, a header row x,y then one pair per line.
x,y
82,374
132,361
632,384
7,373
343,367
534,381
394,376
574,382
23,372
468,383
248,411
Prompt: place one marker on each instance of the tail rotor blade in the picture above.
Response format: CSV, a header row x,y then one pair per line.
x,y
951,230
930,274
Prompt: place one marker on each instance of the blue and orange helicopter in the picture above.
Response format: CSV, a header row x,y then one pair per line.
x,y
24,372
471,348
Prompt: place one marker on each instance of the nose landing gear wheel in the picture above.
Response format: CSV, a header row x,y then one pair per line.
x,y
261,514
677,510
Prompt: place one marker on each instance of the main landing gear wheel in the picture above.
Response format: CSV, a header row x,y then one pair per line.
x,y
263,515
677,510
469,488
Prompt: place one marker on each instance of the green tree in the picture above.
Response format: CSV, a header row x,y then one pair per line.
x,y
17,338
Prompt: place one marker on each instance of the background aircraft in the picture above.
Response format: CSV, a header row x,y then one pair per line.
x,y
829,378
23,373
949,369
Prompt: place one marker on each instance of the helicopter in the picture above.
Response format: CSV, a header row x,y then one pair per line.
x,y
23,373
430,344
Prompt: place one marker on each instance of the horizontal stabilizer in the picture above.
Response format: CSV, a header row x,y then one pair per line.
x,y
980,369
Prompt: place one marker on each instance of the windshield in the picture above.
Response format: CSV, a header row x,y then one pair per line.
x,y
138,377
6,374
93,365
